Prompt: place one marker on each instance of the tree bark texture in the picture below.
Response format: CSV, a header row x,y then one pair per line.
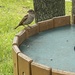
x,y
73,7
47,9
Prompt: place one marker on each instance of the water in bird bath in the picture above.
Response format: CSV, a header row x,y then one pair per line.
x,y
54,48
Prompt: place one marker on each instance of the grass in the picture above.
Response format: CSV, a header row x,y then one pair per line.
x,y
68,8
11,12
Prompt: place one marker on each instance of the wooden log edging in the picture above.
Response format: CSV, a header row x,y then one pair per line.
x,y
24,65
73,19
16,51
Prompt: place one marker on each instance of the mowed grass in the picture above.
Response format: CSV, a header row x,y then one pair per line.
x,y
68,8
11,12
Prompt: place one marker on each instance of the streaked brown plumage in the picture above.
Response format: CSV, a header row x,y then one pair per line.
x,y
27,19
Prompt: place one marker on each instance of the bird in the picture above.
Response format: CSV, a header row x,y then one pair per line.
x,y
27,19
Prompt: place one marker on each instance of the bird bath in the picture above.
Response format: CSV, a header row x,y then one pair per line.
x,y
45,49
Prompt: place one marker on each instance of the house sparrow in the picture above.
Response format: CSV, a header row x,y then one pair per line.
x,y
27,19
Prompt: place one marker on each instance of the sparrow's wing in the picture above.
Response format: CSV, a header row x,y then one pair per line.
x,y
23,20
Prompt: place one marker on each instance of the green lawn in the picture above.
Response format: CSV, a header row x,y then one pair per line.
x,y
11,12
68,8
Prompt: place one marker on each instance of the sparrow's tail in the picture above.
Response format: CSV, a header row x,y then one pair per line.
x,y
16,27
